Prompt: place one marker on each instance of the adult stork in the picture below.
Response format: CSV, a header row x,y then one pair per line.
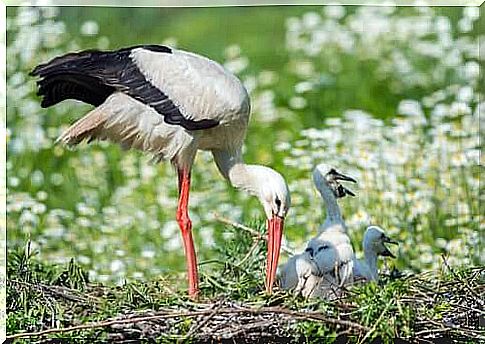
x,y
170,103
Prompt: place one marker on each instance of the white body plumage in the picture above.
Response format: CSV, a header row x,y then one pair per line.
x,y
300,274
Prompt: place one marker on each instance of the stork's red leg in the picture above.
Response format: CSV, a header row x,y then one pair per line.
x,y
186,228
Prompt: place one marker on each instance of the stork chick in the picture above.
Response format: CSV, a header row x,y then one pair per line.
x,y
327,181
327,263
333,232
374,246
333,255
300,274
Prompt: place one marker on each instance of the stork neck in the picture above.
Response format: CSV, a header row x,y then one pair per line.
x,y
333,210
233,168
371,261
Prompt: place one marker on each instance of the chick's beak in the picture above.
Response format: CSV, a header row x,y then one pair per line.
x,y
390,241
343,177
386,252
275,230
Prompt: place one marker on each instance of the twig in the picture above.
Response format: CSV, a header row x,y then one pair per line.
x,y
430,331
251,231
376,323
315,316
467,308
456,327
251,250
205,321
245,328
463,331
459,278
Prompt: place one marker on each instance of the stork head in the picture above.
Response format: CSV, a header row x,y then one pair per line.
x,y
327,177
375,240
274,195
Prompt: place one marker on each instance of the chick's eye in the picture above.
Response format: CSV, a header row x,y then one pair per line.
x,y
324,247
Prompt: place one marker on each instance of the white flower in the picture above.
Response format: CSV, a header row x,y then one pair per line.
x,y
465,94
236,66
39,208
465,25
28,218
471,12
442,24
89,28
117,265
334,11
440,110
148,253
37,177
459,109
471,70
232,52
27,16
13,181
311,20
303,87
410,107
267,78
297,102
84,260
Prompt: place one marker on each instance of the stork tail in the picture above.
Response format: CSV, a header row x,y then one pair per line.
x,y
84,128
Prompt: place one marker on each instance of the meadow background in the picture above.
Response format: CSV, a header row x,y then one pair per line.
x,y
388,95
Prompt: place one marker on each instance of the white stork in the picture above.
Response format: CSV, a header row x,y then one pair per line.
x,y
374,246
331,248
327,262
170,103
327,181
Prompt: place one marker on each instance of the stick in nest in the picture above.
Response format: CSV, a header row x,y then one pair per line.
x,y
314,316
251,231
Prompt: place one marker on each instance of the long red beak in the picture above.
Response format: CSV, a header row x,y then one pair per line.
x,y
275,230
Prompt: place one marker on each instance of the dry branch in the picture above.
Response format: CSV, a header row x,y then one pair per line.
x,y
251,231
315,316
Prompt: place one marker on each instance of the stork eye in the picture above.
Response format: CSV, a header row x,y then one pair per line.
x,y
278,202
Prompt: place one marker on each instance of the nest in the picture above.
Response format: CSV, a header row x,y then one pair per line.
x,y
440,306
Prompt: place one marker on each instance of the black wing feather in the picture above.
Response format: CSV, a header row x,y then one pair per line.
x,y
92,76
